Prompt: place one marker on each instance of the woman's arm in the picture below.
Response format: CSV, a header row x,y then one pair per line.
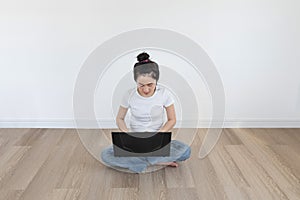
x,y
120,119
171,119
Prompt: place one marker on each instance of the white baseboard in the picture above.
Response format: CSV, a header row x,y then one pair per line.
x,y
228,123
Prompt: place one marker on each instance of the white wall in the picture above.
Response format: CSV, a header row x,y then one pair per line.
x,y
254,44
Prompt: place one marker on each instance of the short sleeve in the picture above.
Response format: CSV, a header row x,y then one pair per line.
x,y
125,99
168,98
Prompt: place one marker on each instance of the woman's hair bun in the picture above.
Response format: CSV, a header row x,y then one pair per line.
x,y
143,56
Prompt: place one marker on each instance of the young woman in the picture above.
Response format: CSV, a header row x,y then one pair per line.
x,y
147,103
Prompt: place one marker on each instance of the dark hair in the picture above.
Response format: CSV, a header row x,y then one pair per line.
x,y
145,66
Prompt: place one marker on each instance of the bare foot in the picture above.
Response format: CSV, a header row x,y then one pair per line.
x,y
171,164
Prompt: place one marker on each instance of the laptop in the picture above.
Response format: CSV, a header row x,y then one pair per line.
x,y
140,144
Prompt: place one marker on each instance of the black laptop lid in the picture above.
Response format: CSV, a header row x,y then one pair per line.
x,y
141,143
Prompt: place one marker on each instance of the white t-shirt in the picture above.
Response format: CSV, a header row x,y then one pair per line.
x,y
147,113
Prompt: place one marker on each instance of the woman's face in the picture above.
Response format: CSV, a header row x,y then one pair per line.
x,y
146,85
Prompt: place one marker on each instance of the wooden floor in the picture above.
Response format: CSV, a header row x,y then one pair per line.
x,y
46,164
